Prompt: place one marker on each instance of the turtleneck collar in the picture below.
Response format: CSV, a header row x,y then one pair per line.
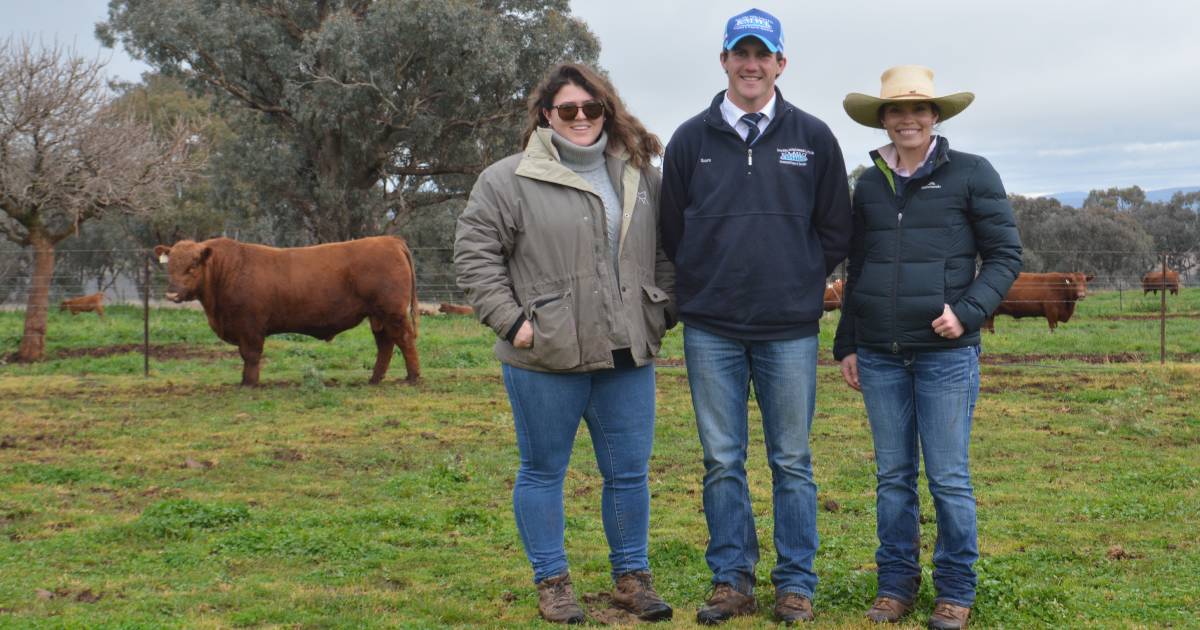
x,y
579,158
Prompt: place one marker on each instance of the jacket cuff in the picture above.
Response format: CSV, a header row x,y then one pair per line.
x,y
968,317
512,332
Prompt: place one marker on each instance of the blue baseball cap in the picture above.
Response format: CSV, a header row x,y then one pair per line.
x,y
754,23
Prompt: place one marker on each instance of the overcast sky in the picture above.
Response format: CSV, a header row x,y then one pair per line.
x,y
1070,94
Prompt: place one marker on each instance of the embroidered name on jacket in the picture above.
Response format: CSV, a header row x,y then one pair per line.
x,y
931,186
794,157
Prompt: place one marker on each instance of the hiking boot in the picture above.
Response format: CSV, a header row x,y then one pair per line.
x,y
792,607
947,616
888,610
724,603
556,600
634,592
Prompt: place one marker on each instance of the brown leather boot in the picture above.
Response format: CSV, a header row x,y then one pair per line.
x,y
888,610
947,616
556,600
792,607
725,602
634,592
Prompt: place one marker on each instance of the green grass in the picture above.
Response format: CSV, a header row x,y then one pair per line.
x,y
186,501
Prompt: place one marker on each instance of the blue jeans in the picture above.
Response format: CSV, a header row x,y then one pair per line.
x,y
618,405
926,398
784,373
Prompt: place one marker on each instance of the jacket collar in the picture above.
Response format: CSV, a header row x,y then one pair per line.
x,y
541,161
941,155
716,119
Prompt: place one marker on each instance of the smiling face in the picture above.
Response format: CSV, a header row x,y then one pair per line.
x,y
909,125
752,70
579,129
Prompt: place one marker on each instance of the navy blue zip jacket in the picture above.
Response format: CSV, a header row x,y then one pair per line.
x,y
754,230
914,250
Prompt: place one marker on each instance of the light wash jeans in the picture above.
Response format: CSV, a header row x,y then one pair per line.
x,y
926,399
618,406
784,374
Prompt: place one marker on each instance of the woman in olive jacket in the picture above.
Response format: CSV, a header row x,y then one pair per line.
x,y
558,253
909,332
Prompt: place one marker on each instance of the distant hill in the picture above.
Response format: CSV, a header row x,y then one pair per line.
x,y
1075,198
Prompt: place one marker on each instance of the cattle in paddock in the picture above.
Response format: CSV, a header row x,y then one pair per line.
x,y
251,291
428,308
456,309
833,295
1156,281
1050,295
83,304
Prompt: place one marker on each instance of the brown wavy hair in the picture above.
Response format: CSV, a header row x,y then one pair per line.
x,y
620,125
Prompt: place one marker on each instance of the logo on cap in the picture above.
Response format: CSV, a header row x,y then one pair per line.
x,y
754,23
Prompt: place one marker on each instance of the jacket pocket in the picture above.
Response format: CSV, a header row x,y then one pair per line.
x,y
555,339
957,277
654,311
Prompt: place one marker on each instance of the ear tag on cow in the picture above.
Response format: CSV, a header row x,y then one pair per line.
x,y
162,258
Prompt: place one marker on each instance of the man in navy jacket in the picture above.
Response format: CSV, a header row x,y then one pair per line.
x,y
755,215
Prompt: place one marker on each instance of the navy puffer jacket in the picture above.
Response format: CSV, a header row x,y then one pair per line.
x,y
914,249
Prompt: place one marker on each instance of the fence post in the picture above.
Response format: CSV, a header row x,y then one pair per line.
x,y
1162,315
146,319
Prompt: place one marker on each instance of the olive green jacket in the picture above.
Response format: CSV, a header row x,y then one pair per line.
x,y
532,242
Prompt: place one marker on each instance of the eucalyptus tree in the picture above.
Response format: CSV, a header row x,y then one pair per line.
x,y
357,112
1175,227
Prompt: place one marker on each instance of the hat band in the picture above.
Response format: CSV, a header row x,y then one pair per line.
x,y
909,95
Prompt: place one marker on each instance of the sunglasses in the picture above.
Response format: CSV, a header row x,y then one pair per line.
x,y
591,109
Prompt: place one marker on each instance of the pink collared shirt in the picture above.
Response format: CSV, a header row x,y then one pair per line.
x,y
890,155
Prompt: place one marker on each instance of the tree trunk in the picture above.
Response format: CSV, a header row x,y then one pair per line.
x,y
33,344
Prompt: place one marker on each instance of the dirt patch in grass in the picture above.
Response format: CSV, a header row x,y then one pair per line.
x,y
1120,357
1094,359
1024,359
1138,316
601,610
171,352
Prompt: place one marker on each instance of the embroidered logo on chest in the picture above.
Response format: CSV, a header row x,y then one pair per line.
x,y
931,186
794,156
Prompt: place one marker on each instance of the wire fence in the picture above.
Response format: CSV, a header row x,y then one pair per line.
x,y
134,277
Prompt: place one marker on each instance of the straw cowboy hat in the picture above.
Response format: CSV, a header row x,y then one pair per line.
x,y
901,84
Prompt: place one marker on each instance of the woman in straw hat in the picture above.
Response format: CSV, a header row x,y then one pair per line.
x,y
908,338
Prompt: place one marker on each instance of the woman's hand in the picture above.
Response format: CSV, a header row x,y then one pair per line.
x,y
948,325
850,371
524,336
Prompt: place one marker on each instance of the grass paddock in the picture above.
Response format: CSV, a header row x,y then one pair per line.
x,y
184,500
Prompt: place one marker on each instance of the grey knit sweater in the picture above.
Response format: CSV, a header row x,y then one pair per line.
x,y
588,162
